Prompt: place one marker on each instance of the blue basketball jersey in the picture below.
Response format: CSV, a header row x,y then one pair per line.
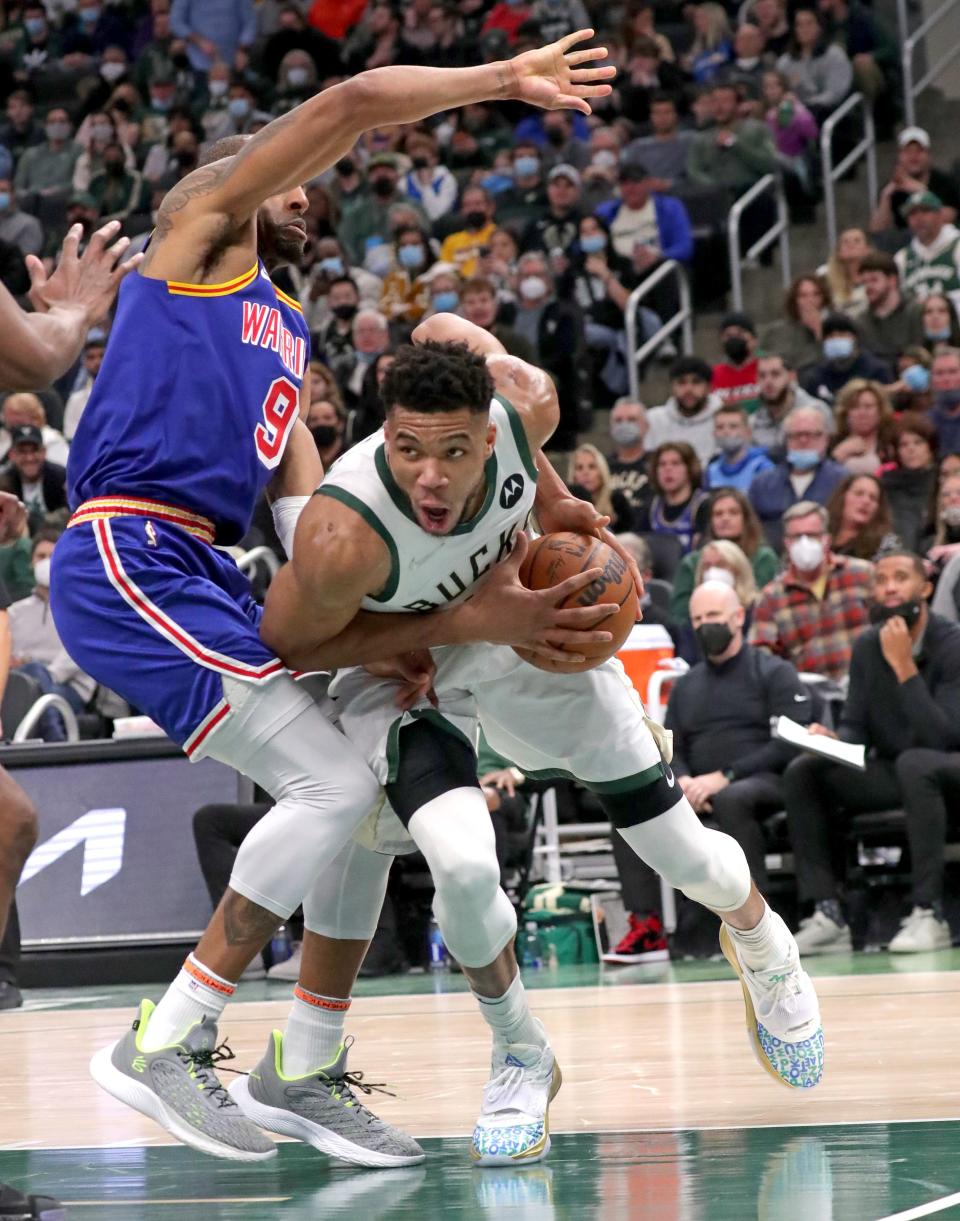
x,y
195,399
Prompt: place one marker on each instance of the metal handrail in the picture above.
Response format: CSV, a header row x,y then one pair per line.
x,y
683,318
779,229
36,711
911,88
833,173
256,555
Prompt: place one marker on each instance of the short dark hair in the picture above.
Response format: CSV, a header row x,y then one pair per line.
x,y
893,548
879,260
46,534
438,376
228,146
344,280
691,366
839,324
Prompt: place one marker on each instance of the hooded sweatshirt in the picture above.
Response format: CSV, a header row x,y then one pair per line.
x,y
668,423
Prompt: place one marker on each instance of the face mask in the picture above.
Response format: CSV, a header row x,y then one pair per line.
x,y
112,71
101,132
378,260
446,303
731,445
909,612
411,257
526,167
344,312
802,459
4,200
58,131
605,159
625,432
838,347
806,553
750,62
736,348
35,26
534,288
942,334
593,243
947,400
162,105
298,77
444,132
218,88
90,16
186,159
114,168
951,516
720,574
421,163
916,378
557,136
41,573
382,186
324,435
332,266
367,358
713,638
475,220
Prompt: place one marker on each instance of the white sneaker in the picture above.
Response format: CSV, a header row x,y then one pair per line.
x,y
783,1017
818,934
514,1127
289,970
921,932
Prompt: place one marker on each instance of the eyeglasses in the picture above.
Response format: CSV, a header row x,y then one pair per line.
x,y
805,436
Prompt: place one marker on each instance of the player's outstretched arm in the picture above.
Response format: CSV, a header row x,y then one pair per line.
x,y
302,144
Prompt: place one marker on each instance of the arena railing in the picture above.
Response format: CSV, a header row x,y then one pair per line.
x,y
259,555
36,711
682,320
913,88
779,230
865,150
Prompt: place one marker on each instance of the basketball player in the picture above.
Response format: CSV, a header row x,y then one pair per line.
x,y
412,519
197,407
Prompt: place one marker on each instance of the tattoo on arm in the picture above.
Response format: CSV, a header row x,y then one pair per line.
x,y
244,923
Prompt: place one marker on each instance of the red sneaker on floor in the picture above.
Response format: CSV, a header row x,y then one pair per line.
x,y
644,942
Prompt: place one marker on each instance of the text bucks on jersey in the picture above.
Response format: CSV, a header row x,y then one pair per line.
x,y
427,571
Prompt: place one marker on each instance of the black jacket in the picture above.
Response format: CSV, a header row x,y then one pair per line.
x,y
889,717
53,479
720,714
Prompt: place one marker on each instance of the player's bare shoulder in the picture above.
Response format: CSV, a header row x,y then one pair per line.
x,y
334,538
530,391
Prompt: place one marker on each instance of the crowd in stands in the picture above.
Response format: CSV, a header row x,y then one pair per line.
x,y
821,438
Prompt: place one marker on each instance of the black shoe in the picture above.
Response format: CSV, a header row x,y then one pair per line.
x,y
14,1206
10,998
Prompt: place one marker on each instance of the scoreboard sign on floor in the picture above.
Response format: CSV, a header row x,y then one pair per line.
x,y
115,859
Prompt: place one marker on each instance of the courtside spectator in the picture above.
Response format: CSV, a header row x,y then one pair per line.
x,y
859,517
913,173
628,462
735,379
911,485
678,506
864,437
798,336
804,474
890,322
931,261
738,460
842,361
688,413
779,393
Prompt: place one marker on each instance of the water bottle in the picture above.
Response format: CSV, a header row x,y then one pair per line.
x,y
281,945
531,949
438,958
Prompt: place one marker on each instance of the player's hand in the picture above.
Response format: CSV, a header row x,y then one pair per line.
x,y
414,672
504,611
570,513
88,281
552,77
896,644
504,779
13,518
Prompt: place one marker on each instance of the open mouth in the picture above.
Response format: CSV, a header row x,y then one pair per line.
x,y
434,518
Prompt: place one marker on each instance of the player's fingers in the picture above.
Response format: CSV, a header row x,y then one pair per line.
x,y
571,40
124,269
71,244
585,55
572,585
587,76
584,617
592,91
106,233
37,273
566,102
566,636
544,649
112,254
521,546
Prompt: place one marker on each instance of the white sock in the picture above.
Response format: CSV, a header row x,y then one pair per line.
x,y
769,944
314,1032
196,993
509,1017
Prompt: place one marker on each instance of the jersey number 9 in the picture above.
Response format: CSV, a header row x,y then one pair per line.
x,y
280,409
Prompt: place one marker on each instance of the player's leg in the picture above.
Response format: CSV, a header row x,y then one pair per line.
x,y
543,721
18,834
302,1086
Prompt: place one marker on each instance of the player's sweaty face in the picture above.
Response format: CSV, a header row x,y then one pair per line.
x,y
281,227
437,459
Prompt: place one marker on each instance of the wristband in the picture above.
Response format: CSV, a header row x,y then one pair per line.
x,y
286,513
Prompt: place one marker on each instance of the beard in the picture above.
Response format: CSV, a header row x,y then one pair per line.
x,y
279,245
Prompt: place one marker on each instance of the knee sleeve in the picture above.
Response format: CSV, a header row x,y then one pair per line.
x,y
708,866
322,787
432,762
345,900
455,834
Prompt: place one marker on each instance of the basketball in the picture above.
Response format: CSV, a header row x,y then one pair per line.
x,y
555,557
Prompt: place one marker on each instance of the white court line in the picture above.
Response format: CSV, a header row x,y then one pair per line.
x,y
925,1210
168,1203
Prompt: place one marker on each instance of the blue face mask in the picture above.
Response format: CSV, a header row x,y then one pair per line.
x,y
916,378
593,243
35,26
297,77
526,167
446,303
802,459
838,347
495,183
90,15
411,257
239,107
4,200
332,266
941,335
161,105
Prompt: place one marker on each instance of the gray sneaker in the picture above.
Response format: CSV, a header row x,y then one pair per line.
x,y
818,934
322,1110
178,1087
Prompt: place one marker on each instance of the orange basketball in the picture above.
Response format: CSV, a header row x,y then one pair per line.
x,y
554,557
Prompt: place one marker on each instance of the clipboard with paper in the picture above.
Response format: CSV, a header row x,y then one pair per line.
x,y
848,753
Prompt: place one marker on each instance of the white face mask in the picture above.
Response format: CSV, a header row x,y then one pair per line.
x,y
806,553
719,574
534,288
41,573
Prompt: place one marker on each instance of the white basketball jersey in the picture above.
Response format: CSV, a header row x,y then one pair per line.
x,y
429,571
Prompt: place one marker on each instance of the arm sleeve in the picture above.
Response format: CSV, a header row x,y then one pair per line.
x,y
248,27
853,722
676,237
698,171
755,148
935,719
180,25
785,696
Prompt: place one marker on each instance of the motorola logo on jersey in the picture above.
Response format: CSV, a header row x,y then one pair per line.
x,y
511,491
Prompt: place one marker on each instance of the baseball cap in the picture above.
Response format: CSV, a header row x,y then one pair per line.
x,y
564,171
913,135
738,318
386,159
923,199
633,171
26,434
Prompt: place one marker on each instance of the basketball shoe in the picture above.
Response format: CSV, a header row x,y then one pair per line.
x,y
644,941
514,1124
178,1087
783,1017
14,1206
322,1110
